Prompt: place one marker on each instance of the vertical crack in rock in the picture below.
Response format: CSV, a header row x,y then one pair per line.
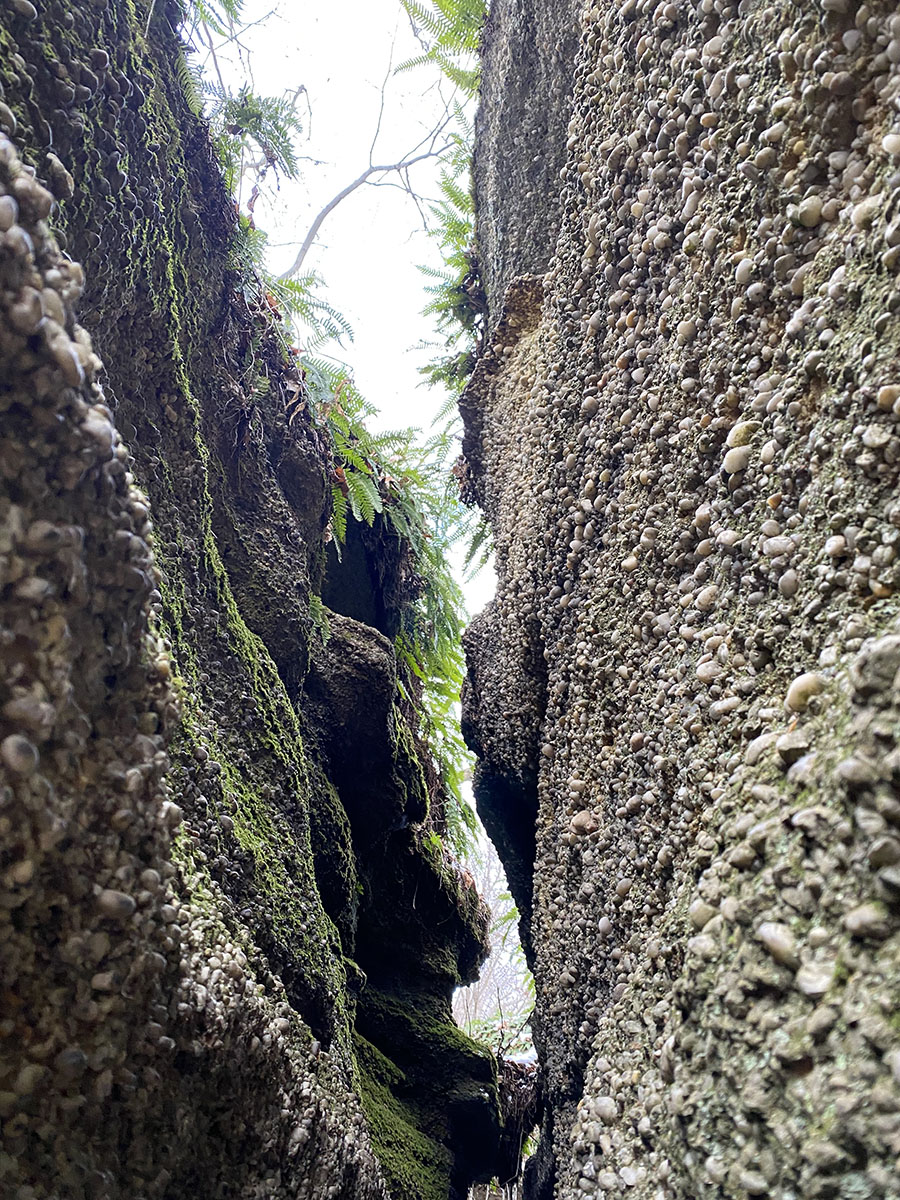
x,y
689,458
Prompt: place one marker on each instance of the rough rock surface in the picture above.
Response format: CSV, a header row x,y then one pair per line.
x,y
528,57
226,950
688,449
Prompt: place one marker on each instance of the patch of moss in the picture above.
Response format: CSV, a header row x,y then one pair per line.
x,y
453,1079
415,1167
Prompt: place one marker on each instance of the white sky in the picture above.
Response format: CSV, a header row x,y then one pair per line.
x,y
369,247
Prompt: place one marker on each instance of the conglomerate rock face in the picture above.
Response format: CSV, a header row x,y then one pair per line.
x,y
688,447
520,135
226,949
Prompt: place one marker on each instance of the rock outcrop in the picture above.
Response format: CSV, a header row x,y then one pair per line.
x,y
228,935
684,432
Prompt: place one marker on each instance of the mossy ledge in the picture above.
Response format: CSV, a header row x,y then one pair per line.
x,y
203,898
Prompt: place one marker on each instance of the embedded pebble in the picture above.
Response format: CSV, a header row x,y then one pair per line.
x,y
815,978
779,941
19,755
803,689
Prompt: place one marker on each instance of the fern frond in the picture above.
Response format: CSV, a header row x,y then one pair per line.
x,y
453,29
338,513
365,499
191,82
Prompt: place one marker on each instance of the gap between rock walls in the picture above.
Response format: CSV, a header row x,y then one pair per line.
x,y
230,935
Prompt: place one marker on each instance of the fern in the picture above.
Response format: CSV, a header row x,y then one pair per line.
x,y
319,617
191,81
453,32
395,476
300,299
338,515
217,18
364,497
267,125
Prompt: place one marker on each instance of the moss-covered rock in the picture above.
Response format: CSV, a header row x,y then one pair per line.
x,y
186,857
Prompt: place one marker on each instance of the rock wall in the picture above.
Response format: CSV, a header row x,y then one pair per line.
x,y
684,433
520,136
226,948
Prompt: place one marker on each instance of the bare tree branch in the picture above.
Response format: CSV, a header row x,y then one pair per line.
x,y
213,55
381,96
382,169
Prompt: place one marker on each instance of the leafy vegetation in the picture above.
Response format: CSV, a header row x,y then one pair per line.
x,y
399,477
402,479
452,31
253,132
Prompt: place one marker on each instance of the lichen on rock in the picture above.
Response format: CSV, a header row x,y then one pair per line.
x,y
689,462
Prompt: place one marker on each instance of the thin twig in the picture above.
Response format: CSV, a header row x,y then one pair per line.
x,y
381,169
212,55
381,96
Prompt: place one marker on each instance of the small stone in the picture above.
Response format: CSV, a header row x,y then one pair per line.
x,y
742,856
802,690
20,756
736,460
864,213
876,667
857,773
703,946
716,1169
867,921
779,941
757,748
9,210
884,852
792,745
117,905
777,547
890,144
606,1109
809,211
584,823
789,583
753,1183
821,1021
814,979
706,597
709,671
823,1154
71,1062
701,913
742,433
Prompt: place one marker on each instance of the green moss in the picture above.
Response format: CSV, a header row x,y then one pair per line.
x,y
333,857
415,1167
430,1048
453,1079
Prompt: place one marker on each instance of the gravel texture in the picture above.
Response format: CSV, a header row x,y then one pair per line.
x,y
685,437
